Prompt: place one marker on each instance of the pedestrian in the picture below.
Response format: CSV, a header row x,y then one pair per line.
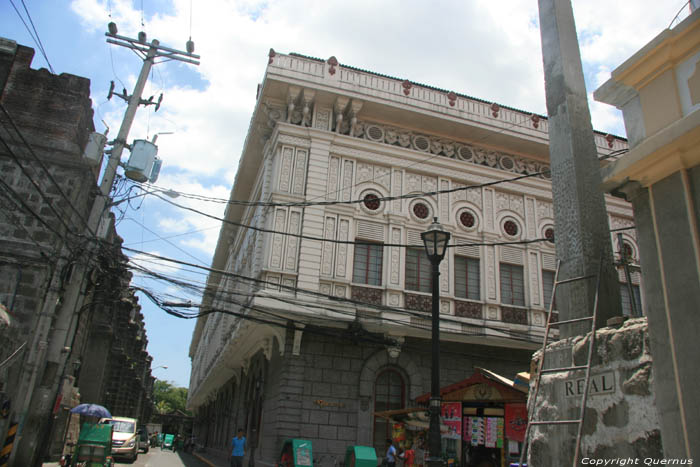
x,y
390,453
238,449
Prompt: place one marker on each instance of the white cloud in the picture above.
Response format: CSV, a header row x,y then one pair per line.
x,y
145,261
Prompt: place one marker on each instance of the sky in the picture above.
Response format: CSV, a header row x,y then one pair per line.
x,y
482,48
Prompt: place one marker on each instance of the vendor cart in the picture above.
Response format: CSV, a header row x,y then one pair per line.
x,y
360,456
94,446
296,453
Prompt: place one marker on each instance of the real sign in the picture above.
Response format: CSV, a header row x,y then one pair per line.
x,y
603,383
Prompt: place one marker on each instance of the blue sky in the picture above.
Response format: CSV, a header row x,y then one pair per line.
x,y
482,48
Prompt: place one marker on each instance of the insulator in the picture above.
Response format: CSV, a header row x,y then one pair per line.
x,y
190,46
112,28
142,37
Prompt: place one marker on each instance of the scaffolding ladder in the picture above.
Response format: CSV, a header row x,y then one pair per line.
x,y
532,403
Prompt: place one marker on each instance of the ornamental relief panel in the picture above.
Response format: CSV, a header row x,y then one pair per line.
x,y
285,173
299,172
395,257
342,249
444,147
333,178
445,201
533,271
290,263
509,202
545,210
621,223
278,239
347,180
327,248
396,190
413,183
530,217
491,272
488,208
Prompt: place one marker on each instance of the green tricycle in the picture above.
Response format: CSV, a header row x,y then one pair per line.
x,y
168,441
94,446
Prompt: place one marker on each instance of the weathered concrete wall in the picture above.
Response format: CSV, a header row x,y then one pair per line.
x,y
621,419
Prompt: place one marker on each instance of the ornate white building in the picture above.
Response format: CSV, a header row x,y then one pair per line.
x,y
318,365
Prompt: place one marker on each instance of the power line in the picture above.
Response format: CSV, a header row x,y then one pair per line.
x,y
35,36
415,313
46,170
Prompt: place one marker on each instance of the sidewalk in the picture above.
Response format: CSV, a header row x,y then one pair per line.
x,y
214,458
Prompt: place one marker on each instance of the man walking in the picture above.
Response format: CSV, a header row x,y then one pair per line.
x,y
238,449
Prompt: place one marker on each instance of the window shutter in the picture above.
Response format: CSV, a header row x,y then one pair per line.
x,y
511,255
549,262
413,237
370,231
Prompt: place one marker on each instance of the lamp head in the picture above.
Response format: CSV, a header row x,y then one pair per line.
x,y
435,240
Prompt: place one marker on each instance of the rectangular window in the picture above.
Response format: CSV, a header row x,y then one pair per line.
x,y
625,295
512,285
367,266
467,278
547,287
419,275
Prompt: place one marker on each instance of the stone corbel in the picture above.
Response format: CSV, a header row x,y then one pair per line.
x,y
341,104
267,348
292,98
353,109
296,345
394,349
307,104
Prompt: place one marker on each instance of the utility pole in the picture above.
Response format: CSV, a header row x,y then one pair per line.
x,y
59,315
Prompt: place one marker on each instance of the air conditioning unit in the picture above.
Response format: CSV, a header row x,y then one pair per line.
x,y
140,166
94,149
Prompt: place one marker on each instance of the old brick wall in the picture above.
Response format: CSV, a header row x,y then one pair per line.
x,y
621,420
319,394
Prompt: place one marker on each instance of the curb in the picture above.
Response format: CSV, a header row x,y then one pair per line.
x,y
203,459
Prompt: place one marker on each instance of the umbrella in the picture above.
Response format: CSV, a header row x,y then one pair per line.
x,y
91,410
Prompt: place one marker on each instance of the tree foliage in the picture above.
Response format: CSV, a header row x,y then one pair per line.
x,y
168,398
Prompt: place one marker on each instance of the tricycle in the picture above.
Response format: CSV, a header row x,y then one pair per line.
x,y
94,446
168,442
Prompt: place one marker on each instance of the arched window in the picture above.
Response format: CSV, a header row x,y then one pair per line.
x,y
389,394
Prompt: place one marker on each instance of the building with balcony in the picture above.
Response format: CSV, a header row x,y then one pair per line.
x,y
322,296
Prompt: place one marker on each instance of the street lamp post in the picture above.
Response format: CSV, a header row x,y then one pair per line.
x,y
435,240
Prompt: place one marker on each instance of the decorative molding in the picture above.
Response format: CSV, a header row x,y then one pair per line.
x,y
513,315
467,309
294,141
367,295
322,118
418,302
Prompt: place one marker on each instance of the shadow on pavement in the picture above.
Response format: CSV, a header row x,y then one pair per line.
x,y
189,460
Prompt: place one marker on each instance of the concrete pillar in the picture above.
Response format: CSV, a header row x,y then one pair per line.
x,y
582,232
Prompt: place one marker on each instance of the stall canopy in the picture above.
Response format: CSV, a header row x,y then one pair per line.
x,y
482,386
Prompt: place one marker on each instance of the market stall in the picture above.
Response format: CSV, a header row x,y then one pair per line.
x,y
483,420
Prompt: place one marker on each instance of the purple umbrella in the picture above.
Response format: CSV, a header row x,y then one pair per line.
x,y
91,410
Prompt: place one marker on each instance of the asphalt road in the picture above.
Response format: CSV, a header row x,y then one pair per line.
x,y
158,458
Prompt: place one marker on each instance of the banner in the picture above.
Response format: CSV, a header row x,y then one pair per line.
x,y
516,421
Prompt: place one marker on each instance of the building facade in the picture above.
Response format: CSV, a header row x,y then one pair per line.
x,y
658,91
47,189
323,294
